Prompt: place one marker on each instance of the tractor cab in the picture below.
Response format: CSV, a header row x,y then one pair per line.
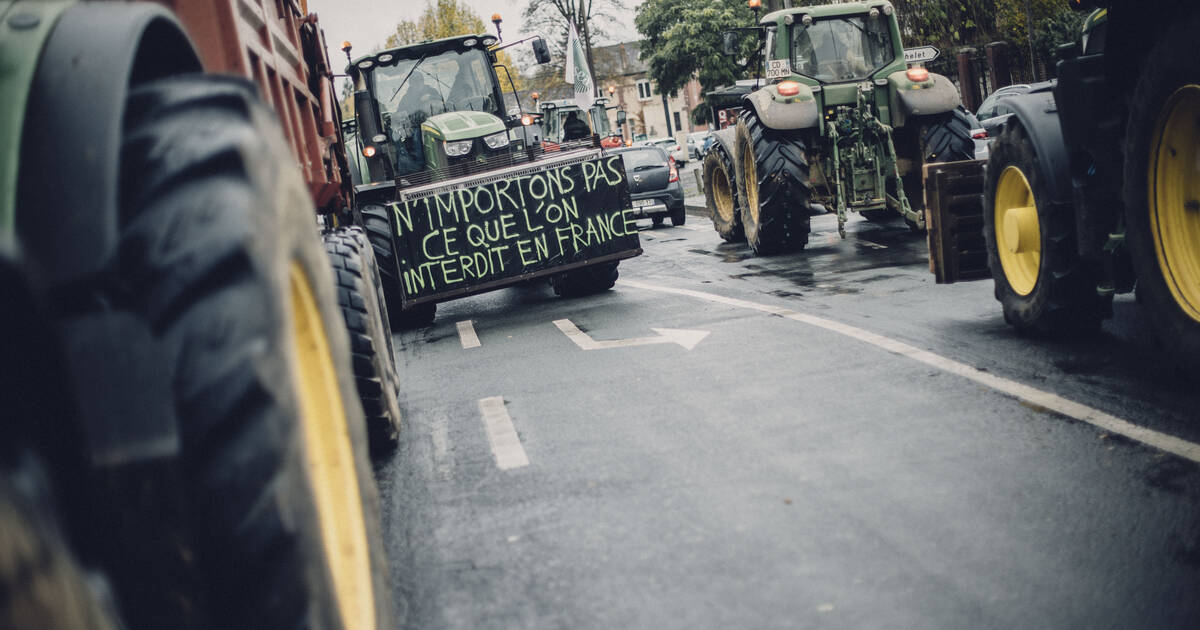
x,y
555,114
432,106
842,48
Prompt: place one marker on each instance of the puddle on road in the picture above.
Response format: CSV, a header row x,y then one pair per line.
x,y
726,256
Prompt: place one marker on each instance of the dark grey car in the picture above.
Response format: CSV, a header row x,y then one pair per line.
x,y
654,184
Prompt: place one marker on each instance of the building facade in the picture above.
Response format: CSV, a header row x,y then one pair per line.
x,y
621,76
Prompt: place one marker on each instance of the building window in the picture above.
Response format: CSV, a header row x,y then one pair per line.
x,y
678,125
643,88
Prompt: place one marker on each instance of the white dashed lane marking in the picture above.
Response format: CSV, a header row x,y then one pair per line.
x,y
501,434
1053,402
466,334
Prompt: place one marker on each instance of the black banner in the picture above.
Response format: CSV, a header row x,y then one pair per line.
x,y
453,241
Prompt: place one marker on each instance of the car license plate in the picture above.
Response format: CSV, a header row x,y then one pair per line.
x,y
642,203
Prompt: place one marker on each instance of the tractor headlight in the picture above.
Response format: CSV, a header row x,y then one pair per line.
x,y
496,140
455,149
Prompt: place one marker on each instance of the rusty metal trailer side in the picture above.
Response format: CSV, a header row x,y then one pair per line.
x,y
281,47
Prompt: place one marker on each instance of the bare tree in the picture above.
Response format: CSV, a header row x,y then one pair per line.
x,y
592,19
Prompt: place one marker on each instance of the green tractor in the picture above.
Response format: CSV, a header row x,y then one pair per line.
x,y
842,123
555,112
444,161
1091,187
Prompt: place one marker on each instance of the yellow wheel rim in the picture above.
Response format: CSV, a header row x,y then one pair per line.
x,y
1174,191
751,183
1018,234
722,193
329,460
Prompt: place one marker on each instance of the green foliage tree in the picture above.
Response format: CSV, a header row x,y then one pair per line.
x,y
683,38
1053,23
448,18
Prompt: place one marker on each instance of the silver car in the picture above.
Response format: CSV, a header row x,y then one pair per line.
x,y
671,146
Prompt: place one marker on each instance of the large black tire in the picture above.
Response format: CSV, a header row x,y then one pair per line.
x,y
1056,294
378,226
219,255
355,276
586,280
774,186
721,193
1163,223
944,137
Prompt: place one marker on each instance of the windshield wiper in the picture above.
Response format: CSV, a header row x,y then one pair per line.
x,y
410,71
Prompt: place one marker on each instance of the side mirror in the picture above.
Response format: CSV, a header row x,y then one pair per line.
x,y
729,41
621,117
541,52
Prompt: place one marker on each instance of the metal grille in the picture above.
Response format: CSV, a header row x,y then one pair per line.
x,y
490,163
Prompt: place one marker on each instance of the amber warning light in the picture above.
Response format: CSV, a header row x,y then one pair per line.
x,y
917,75
788,88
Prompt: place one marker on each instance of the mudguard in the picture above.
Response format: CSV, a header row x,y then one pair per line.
x,y
936,96
1037,113
785,112
727,138
67,201
24,27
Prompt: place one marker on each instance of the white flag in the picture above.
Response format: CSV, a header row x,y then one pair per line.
x,y
577,71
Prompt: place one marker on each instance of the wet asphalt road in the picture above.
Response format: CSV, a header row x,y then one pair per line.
x,y
780,473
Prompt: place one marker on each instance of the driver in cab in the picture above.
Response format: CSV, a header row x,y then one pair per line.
x,y
574,128
419,96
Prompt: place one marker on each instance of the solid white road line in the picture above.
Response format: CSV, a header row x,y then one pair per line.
x,y
1053,402
466,334
502,435
686,338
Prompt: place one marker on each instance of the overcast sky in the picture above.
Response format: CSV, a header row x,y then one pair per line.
x,y
367,23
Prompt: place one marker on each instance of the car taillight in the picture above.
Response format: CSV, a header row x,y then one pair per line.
x,y
980,134
674,171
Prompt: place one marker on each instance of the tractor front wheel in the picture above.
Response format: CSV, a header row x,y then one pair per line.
x,y
721,193
1041,283
585,281
1162,192
378,226
774,186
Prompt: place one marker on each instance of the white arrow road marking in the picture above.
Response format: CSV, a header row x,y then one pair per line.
x,y
466,334
686,338
1053,402
502,435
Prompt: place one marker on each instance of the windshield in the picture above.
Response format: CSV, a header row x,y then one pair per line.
x,y
844,49
450,81
643,157
553,125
